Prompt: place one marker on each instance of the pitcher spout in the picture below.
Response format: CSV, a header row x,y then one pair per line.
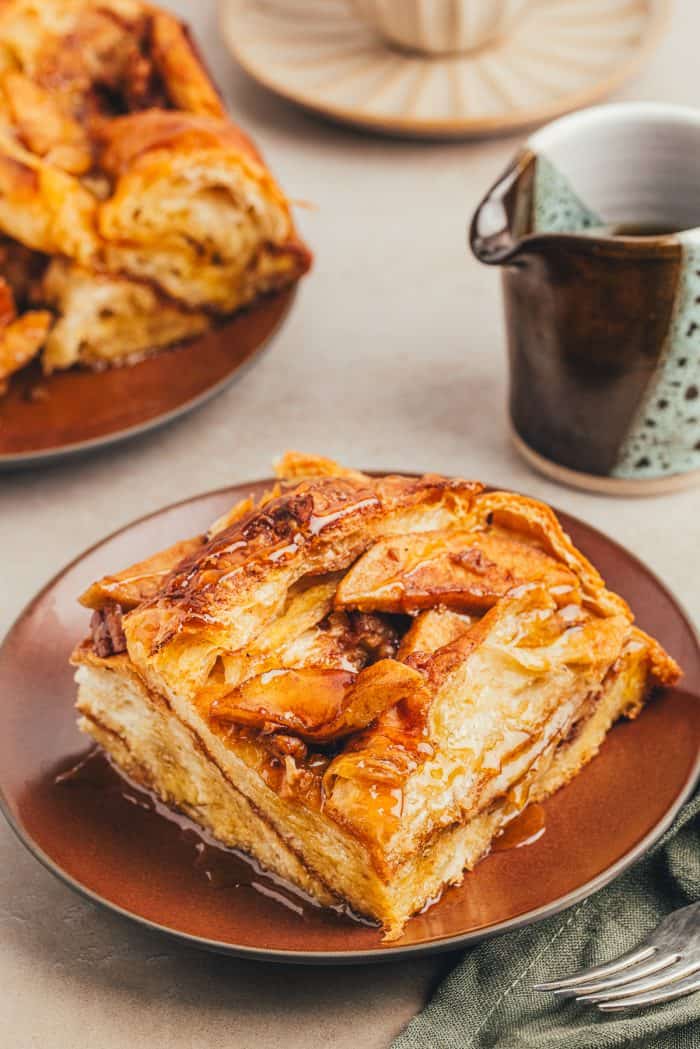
x,y
501,228
529,209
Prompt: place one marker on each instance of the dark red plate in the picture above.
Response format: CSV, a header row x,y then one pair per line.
x,y
49,417
108,842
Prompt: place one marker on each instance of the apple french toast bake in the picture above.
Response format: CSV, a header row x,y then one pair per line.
x,y
133,212
361,680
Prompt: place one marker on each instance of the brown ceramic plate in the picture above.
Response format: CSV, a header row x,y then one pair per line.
x,y
44,418
108,841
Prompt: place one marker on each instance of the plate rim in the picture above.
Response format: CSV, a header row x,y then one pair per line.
x,y
659,18
362,956
15,461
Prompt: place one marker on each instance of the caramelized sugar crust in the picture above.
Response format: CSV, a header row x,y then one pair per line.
x,y
393,652
148,214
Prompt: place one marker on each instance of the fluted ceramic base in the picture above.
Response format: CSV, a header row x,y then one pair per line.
x,y
557,55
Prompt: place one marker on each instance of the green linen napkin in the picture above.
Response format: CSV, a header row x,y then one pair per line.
x,y
487,1001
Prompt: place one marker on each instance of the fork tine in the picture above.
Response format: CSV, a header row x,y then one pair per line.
x,y
672,974
586,975
655,964
662,994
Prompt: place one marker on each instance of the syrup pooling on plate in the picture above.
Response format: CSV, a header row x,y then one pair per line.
x,y
527,828
115,800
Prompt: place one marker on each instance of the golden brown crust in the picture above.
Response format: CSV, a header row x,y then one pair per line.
x,y
320,705
118,162
463,570
126,140
178,61
509,671
662,668
273,634
42,206
240,579
105,320
194,209
298,466
140,581
107,56
154,734
519,515
44,127
21,338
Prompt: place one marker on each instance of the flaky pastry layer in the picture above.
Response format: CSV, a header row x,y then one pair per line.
x,y
121,172
387,670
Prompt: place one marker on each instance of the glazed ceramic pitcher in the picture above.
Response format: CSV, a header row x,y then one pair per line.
x,y
595,224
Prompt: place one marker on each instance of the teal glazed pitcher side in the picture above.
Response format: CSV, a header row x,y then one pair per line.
x,y
603,330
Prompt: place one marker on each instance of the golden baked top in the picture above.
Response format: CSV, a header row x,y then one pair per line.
x,y
97,58
371,643
117,158
67,69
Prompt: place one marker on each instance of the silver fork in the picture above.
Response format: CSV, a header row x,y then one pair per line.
x,y
664,966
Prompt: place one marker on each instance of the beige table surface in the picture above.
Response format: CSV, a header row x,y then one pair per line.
x,y
393,357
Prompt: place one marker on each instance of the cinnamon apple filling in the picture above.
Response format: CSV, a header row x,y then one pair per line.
x,y
361,680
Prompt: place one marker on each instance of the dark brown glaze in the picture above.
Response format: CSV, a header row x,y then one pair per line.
x,y
586,320
122,400
290,531
139,863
